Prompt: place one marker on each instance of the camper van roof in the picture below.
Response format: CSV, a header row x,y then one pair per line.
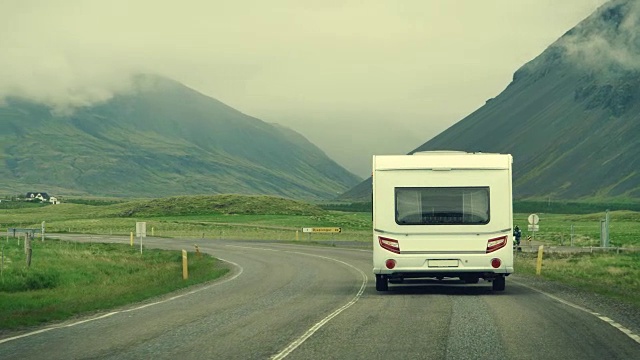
x,y
443,161
447,152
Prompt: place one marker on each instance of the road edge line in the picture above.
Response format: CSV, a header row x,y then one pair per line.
x,y
606,319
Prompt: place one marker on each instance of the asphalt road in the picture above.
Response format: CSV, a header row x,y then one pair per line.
x,y
313,302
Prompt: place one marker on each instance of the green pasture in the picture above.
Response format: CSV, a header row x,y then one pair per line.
x,y
177,217
65,278
584,230
581,230
609,274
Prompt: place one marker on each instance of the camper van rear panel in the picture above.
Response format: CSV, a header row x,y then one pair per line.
x,y
442,215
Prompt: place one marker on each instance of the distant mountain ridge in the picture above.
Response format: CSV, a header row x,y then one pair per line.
x,y
161,139
570,117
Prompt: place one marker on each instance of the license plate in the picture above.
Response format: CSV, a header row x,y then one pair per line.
x,y
443,263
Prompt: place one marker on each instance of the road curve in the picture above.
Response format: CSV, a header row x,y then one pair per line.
x,y
307,302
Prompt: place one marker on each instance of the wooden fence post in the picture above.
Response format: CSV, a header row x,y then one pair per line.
x,y
27,248
185,266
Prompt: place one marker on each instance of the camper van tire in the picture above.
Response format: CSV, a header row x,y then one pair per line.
x,y
499,283
382,283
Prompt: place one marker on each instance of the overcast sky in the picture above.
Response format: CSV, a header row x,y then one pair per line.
x,y
357,78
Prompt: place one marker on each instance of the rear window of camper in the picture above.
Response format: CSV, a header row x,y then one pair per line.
x,y
442,205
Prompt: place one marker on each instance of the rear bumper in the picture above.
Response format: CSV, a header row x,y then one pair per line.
x,y
405,274
427,266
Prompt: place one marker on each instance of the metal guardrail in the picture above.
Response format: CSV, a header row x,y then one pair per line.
x,y
576,249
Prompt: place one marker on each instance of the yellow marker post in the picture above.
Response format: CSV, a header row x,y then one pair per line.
x,y
131,241
185,265
296,235
152,231
539,262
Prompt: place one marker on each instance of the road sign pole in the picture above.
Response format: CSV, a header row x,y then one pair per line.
x,y
533,224
141,231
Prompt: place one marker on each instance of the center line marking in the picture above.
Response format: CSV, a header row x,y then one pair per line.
x,y
299,341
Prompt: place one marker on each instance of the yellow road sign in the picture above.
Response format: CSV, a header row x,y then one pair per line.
x,y
322,230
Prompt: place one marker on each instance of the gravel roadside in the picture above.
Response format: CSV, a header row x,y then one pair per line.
x,y
624,314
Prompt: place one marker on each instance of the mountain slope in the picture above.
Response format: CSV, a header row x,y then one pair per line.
x,y
161,139
570,117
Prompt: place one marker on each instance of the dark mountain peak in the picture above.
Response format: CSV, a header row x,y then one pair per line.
x,y
569,117
602,52
605,43
152,80
145,83
615,13
608,39
157,138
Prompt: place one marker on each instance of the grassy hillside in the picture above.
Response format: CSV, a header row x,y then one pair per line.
x,y
162,139
219,216
171,206
569,117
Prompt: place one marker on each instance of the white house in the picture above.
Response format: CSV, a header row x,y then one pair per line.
x,y
42,196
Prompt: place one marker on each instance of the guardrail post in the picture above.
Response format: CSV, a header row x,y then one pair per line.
x,y
539,261
185,265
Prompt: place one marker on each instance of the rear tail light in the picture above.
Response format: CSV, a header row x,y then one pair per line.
x,y
495,263
496,244
390,263
389,244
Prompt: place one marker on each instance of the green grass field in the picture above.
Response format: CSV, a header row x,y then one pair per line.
x,y
269,218
31,296
613,275
70,278
216,217
584,230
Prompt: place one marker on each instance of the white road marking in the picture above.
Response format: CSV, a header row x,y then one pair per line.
x,y
128,310
609,321
282,354
312,330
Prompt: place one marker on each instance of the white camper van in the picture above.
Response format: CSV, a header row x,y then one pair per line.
x,y
442,214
